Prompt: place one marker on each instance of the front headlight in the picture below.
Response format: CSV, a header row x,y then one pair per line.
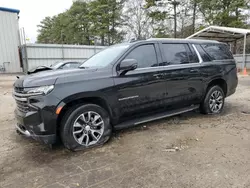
x,y
42,90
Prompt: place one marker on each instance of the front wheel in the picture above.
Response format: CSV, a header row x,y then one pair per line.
x,y
213,102
85,126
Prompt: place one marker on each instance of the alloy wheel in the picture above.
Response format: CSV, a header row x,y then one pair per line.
x,y
88,128
216,101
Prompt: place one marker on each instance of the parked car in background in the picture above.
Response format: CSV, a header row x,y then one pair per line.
x,y
124,85
56,66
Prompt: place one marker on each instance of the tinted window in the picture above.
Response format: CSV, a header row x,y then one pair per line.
x,y
57,65
217,51
205,57
65,66
74,65
176,54
145,56
70,65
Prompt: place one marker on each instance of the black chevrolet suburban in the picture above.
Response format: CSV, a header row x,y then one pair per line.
x,y
124,85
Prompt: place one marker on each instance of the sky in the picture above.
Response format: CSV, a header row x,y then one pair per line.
x,y
33,11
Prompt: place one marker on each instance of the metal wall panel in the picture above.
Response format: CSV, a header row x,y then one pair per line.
x,y
9,42
239,57
47,54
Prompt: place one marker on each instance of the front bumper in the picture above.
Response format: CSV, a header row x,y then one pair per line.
x,y
37,117
47,139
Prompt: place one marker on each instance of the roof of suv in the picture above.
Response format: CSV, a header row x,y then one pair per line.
x,y
181,40
172,40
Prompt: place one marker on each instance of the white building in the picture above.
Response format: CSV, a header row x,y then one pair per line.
x,y
9,41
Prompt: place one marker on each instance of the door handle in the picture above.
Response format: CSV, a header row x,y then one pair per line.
x,y
193,71
157,76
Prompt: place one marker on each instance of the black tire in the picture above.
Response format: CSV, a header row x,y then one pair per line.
x,y
67,126
205,106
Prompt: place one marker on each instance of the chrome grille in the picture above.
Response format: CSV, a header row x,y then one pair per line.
x,y
21,102
22,106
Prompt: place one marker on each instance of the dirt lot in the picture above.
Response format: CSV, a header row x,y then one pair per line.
x,y
205,151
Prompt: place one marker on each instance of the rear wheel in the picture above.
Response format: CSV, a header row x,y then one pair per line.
x,y
85,126
213,102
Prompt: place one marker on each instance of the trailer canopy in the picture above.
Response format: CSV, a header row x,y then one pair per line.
x,y
224,34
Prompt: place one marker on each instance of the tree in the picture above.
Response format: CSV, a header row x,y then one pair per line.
x,y
106,19
224,12
174,16
84,22
137,21
78,29
110,21
45,30
160,13
189,18
194,4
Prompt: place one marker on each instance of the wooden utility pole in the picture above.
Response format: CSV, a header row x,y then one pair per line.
x,y
175,3
175,21
194,15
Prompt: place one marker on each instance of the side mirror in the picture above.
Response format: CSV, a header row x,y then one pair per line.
x,y
127,65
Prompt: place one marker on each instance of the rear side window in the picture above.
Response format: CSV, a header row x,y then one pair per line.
x,y
205,57
178,54
217,51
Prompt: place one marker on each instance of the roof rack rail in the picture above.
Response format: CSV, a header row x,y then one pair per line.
x,y
135,40
164,39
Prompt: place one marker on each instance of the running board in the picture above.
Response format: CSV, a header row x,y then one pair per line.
x,y
138,121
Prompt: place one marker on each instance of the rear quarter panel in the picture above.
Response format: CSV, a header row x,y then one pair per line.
x,y
220,69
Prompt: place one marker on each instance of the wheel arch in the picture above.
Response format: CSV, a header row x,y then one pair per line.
x,y
78,100
220,82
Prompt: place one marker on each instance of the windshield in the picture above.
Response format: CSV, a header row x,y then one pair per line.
x,y
56,65
105,57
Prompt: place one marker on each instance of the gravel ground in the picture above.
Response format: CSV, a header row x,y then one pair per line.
x,y
190,150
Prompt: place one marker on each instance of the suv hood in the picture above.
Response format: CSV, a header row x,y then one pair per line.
x,y
50,77
39,69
